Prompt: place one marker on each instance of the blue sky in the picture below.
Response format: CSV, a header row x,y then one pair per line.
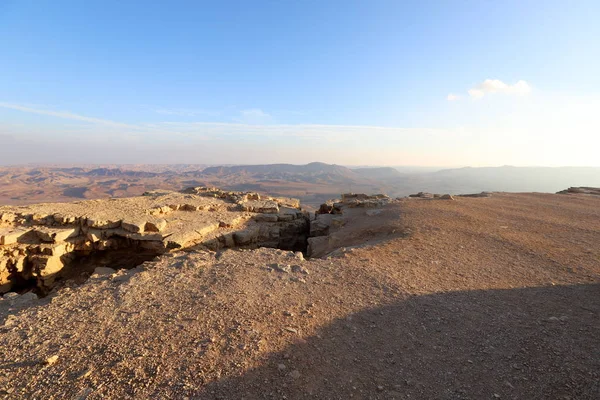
x,y
348,82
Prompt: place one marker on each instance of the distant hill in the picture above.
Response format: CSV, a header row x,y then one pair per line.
x,y
313,183
315,172
116,172
378,172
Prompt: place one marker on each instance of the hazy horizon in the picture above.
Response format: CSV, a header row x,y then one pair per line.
x,y
351,166
353,83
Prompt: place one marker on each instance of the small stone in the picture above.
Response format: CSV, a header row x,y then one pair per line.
x,y
281,367
103,271
286,269
295,374
85,373
299,269
51,360
380,388
288,314
10,295
290,329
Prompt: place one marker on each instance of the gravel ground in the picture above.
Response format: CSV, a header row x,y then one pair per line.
x,y
469,299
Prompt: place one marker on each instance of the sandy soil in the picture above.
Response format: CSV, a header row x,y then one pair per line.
x,y
476,298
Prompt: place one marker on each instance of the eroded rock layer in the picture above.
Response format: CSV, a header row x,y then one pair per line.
x,y
38,241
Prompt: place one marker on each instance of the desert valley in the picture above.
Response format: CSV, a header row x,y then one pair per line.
x,y
312,183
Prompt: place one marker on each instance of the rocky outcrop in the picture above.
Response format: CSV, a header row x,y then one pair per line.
x,y
581,190
425,195
38,241
333,215
477,195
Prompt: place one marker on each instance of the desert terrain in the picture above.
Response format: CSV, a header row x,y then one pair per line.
x,y
465,298
312,183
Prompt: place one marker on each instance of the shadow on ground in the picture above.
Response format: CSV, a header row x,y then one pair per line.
x,y
530,343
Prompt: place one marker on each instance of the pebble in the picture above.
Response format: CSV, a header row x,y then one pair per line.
x,y
295,374
51,360
281,367
85,373
300,269
286,269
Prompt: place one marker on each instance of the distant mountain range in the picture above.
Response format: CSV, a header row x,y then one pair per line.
x,y
313,183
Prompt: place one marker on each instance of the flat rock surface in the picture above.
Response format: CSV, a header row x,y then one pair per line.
x,y
476,299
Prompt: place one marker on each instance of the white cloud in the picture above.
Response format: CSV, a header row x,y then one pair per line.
x,y
453,97
490,86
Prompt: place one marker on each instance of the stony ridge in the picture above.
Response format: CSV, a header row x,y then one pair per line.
x,y
37,241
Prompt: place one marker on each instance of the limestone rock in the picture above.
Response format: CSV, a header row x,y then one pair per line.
x,y
320,225
134,226
246,236
261,206
317,246
11,235
7,217
102,224
266,217
38,241
52,235
155,226
61,219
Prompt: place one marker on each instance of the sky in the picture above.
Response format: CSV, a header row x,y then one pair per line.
x,y
422,83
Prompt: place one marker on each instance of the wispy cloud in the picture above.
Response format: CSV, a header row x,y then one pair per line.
x,y
491,86
65,115
254,116
186,112
452,97
253,123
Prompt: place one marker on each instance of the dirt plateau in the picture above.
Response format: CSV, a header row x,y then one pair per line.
x,y
206,294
